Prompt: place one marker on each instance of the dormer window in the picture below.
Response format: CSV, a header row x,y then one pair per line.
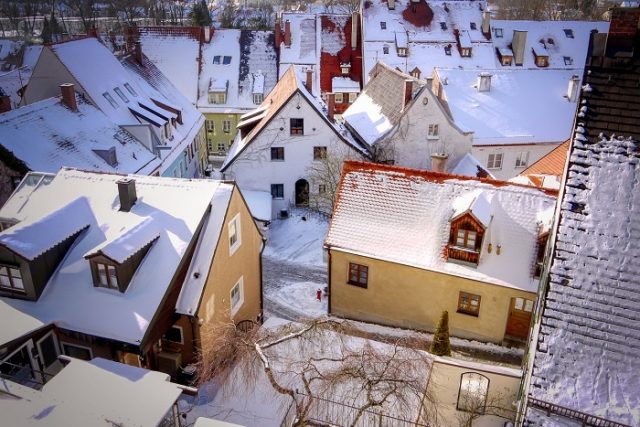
x,y
11,278
465,239
416,73
107,275
447,50
345,68
465,52
402,51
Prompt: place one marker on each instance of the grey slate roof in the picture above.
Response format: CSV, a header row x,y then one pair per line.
x,y
586,357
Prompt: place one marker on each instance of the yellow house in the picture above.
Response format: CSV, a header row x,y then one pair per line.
x,y
405,245
463,393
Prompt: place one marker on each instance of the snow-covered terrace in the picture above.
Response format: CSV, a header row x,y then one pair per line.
x,y
173,207
522,106
382,211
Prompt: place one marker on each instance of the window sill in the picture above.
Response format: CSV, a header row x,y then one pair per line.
x,y
277,198
13,290
234,310
433,137
466,313
356,284
233,249
277,160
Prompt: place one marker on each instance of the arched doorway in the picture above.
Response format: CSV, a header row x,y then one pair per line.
x,y
302,192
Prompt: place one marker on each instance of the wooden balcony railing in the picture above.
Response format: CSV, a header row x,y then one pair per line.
x,y
463,254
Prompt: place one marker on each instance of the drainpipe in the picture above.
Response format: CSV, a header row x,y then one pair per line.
x,y
329,280
264,245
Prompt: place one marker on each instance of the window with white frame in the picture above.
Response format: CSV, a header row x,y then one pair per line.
x,y
11,278
339,98
211,125
226,126
235,238
472,395
107,275
523,159
433,130
217,98
222,146
77,351
237,296
258,98
495,161
352,97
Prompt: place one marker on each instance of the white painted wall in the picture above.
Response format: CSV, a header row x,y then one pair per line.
x,y
509,155
254,169
409,144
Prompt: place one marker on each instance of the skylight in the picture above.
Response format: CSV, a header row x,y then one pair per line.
x,y
443,25
121,94
109,98
216,59
130,89
226,60
568,32
473,25
383,25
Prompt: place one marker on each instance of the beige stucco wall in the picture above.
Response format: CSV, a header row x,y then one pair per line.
x,y
444,386
410,297
227,269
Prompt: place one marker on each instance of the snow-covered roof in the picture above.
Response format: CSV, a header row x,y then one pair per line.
x,y
99,393
305,41
555,39
288,85
380,105
245,61
383,212
470,166
259,203
585,352
522,106
131,240
12,82
70,300
176,55
345,85
47,135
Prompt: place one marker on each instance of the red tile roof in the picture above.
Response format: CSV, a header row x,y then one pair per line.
x,y
551,164
330,63
419,14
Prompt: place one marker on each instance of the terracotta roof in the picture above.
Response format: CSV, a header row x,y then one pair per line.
x,y
336,29
551,164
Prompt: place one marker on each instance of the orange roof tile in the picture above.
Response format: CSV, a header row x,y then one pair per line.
x,y
551,164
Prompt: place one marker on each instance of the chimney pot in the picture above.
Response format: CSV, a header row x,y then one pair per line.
x,y
69,96
572,90
138,52
207,34
439,162
331,105
127,193
287,33
278,33
517,45
309,81
391,4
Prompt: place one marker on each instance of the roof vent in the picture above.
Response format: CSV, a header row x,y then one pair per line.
x,y
517,45
127,193
484,82
108,156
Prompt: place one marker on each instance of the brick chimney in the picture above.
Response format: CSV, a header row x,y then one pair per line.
x,y
408,92
127,193
309,81
69,96
439,162
278,31
207,33
331,105
138,52
517,46
486,23
287,33
5,102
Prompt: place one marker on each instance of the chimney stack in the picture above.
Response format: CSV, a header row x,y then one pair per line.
x,y
572,90
486,23
408,92
331,105
439,162
391,4
517,45
484,82
207,34
287,33
69,96
127,193
309,81
354,30
138,52
5,102
278,31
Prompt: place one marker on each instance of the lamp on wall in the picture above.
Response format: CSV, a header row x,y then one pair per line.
x,y
490,247
498,249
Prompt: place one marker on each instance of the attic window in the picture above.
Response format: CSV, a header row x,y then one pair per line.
x,y
107,275
345,68
402,51
465,239
569,33
226,60
498,32
465,52
109,98
473,26
443,25
385,50
568,60
121,94
11,278
383,25
130,89
416,73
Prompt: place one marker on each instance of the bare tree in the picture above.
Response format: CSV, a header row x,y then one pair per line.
x,y
316,360
551,9
341,6
324,176
86,10
477,405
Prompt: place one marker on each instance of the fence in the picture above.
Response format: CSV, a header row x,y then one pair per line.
x,y
586,419
325,412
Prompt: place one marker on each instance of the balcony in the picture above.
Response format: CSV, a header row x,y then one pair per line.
x,y
463,255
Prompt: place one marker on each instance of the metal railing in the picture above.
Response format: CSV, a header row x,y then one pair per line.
x,y
25,375
586,419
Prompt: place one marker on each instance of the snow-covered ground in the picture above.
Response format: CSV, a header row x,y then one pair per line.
x,y
298,239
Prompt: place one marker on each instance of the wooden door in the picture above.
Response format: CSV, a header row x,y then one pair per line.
x,y
519,318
